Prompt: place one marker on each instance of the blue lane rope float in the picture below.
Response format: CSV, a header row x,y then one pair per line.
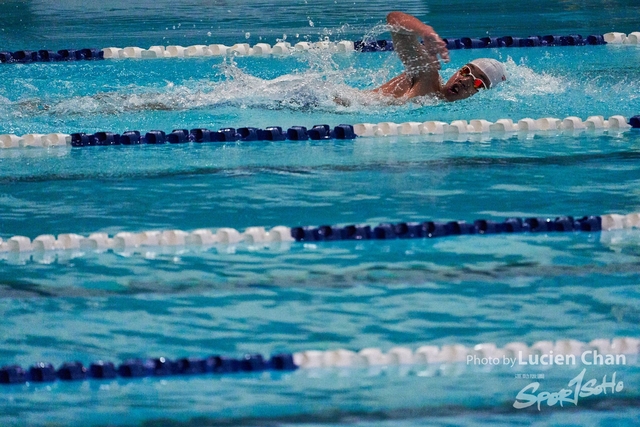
x,y
432,229
26,56
457,130
506,41
42,372
203,135
285,48
128,242
137,368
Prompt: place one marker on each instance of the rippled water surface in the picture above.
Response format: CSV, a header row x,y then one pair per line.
x,y
288,297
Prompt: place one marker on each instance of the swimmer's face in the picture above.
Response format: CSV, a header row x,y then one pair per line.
x,y
465,82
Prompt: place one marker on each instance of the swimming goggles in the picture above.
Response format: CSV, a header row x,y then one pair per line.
x,y
477,83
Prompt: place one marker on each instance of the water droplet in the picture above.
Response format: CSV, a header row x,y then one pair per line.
x,y
247,35
209,33
311,23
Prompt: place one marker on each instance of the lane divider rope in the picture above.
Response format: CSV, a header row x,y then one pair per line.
x,y
286,48
127,241
457,130
43,372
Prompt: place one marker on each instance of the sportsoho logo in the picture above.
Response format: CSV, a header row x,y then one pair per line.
x,y
576,388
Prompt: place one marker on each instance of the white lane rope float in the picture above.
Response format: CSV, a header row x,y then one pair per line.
x,y
463,130
458,353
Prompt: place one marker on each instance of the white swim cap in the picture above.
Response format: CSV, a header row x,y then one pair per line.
x,y
493,69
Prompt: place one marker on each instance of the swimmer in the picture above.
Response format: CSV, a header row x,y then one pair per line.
x,y
421,76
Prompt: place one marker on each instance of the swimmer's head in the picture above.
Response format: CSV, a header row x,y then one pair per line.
x,y
479,74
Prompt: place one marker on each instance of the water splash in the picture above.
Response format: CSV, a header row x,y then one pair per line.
x,y
375,31
525,81
321,78
305,90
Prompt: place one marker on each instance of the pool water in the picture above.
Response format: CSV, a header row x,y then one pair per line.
x,y
292,297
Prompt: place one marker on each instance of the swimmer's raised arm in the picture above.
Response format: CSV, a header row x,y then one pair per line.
x,y
416,57
421,76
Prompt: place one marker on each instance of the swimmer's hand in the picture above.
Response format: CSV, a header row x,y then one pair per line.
x,y
434,44
405,31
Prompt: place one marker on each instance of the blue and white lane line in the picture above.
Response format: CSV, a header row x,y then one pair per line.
x,y
286,48
599,351
204,238
457,130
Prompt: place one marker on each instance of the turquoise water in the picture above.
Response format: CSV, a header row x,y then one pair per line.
x,y
293,297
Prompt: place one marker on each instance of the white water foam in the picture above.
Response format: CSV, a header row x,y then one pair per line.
x,y
314,88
